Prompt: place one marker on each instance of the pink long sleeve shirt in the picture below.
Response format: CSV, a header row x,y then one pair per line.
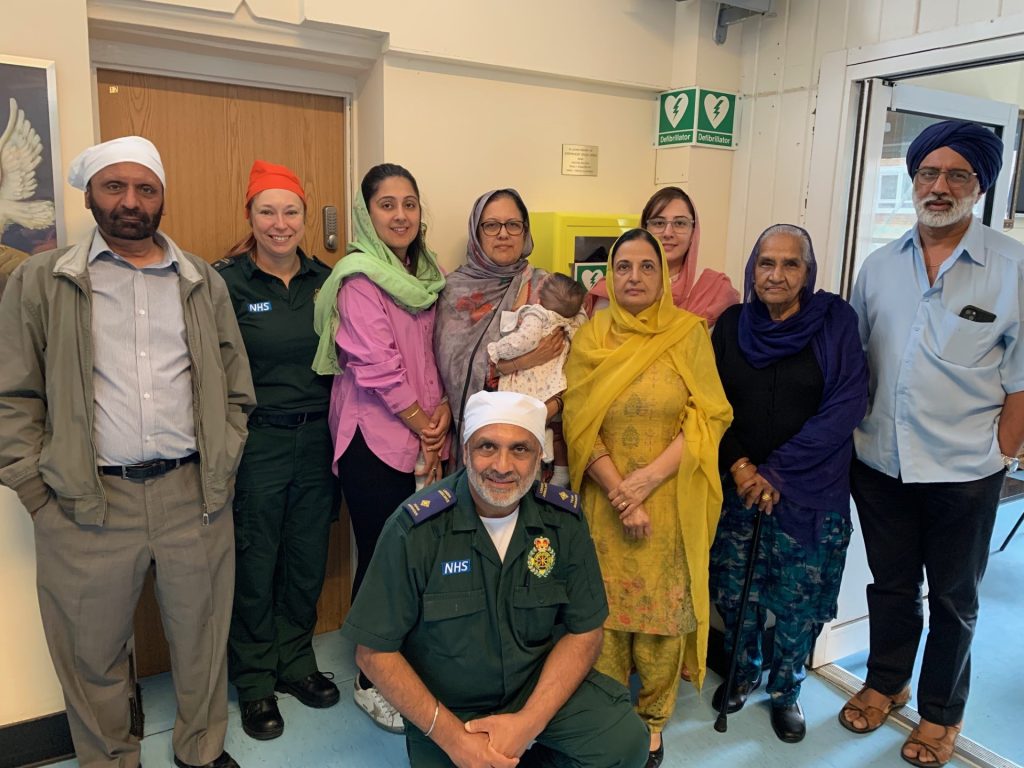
x,y
387,357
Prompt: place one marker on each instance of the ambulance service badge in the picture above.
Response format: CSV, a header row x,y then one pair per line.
x,y
542,557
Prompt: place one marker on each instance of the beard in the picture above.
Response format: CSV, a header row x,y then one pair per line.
x,y
498,498
125,223
959,210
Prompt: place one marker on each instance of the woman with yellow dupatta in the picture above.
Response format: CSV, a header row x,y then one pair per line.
x,y
644,412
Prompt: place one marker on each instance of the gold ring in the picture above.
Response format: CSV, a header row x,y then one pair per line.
x,y
765,496
623,505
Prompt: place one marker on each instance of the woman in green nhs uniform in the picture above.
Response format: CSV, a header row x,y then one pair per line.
x,y
285,496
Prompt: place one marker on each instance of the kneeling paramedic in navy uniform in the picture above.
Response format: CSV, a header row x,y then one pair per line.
x,y
481,613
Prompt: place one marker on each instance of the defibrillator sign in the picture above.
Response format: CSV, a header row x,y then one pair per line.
x,y
697,116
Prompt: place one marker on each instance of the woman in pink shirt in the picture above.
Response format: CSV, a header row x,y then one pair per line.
x,y
388,407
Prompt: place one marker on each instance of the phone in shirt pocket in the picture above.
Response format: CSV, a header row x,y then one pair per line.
x,y
976,314
968,341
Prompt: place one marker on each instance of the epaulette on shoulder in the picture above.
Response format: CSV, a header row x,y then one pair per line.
x,y
424,506
224,263
556,495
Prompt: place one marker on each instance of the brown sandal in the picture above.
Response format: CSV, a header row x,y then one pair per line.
x,y
940,749
875,714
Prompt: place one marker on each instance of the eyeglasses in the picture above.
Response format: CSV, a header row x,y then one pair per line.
x,y
678,225
955,178
512,226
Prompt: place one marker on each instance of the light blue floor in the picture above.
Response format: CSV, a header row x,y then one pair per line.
x,y
996,706
343,736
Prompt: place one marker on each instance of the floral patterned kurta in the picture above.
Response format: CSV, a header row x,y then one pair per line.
x,y
646,580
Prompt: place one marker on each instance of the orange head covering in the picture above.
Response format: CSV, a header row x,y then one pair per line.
x,y
266,175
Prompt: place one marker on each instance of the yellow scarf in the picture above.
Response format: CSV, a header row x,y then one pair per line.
x,y
610,352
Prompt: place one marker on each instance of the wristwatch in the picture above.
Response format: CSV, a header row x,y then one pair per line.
x,y
1011,463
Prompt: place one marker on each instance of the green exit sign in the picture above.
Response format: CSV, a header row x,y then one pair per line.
x,y
697,116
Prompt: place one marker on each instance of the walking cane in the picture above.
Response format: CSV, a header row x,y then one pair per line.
x,y
720,724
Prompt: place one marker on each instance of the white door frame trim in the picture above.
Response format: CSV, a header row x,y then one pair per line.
x,y
832,150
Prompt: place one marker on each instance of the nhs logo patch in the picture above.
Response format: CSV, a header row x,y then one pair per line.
x,y
451,567
260,306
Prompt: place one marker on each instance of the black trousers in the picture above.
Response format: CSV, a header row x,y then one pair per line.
x,y
912,529
373,491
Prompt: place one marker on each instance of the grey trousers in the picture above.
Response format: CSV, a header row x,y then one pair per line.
x,y
89,580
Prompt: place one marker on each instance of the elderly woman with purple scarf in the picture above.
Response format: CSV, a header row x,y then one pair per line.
x,y
792,366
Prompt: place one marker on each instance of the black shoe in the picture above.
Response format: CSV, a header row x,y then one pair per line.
x,y
654,757
739,695
314,690
224,761
788,723
261,719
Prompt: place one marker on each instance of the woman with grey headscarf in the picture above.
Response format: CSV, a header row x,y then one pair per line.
x,y
496,277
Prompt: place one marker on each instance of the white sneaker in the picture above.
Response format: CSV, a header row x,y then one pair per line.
x,y
378,708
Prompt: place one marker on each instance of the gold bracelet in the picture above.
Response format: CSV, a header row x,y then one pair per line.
x,y
410,415
741,466
437,708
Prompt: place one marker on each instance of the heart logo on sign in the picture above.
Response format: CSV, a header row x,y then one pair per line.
x,y
589,277
716,108
675,108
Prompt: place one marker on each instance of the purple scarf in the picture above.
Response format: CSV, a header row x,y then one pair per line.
x,y
811,468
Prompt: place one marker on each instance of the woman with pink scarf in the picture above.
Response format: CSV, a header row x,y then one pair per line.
x,y
672,218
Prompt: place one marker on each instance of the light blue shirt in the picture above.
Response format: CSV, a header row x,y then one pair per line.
x,y
142,371
938,381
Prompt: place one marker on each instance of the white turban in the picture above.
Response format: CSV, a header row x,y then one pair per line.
x,y
486,408
127,149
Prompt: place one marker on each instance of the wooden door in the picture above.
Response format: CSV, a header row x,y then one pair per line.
x,y
208,135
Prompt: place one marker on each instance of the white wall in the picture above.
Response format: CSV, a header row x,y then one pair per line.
x,y
28,686
615,41
463,131
781,59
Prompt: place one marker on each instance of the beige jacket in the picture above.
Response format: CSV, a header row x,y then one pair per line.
x,y
46,393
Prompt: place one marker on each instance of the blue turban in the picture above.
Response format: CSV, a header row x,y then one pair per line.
x,y
979,146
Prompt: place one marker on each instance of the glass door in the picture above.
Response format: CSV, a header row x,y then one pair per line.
x,y
880,211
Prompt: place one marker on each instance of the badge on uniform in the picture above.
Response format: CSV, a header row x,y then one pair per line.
x,y
259,306
452,567
541,560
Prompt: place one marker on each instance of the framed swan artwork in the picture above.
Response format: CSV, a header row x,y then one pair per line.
x,y
31,188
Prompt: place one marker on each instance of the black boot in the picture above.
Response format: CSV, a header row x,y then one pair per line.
x,y
788,722
261,718
740,691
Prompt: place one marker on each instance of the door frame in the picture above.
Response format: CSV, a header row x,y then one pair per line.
x,y
834,148
838,159
122,39
235,50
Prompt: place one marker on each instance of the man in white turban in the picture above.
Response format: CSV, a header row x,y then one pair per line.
x,y
123,401
481,613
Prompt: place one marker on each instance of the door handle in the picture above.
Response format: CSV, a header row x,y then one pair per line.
x,y
330,217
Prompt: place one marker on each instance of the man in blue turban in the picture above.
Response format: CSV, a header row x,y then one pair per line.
x,y
940,320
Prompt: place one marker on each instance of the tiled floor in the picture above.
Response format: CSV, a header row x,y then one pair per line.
x,y
343,736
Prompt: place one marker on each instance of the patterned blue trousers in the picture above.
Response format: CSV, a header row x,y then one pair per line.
x,y
798,585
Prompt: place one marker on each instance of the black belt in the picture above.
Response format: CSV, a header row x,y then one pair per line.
x,y
288,420
148,469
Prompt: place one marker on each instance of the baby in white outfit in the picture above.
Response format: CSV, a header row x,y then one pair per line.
x,y
561,306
